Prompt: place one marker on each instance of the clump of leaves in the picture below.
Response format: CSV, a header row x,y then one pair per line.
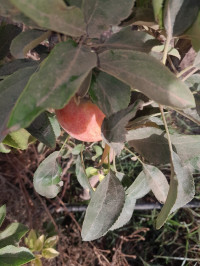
x,y
41,247
10,252
101,55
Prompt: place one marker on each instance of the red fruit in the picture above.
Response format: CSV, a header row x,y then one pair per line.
x,y
81,121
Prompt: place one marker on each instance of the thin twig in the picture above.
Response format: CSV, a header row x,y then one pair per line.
x,y
190,74
185,70
186,115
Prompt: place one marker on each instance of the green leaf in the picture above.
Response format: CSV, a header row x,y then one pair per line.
x,y
81,175
151,143
12,234
4,149
85,86
179,15
37,262
66,68
11,67
49,253
104,208
19,139
10,11
113,127
46,179
54,123
141,16
98,151
157,182
158,11
2,214
7,33
51,241
110,94
26,41
181,190
125,214
41,128
10,89
140,187
98,16
157,52
15,256
38,245
78,149
31,239
129,39
146,74
193,33
53,15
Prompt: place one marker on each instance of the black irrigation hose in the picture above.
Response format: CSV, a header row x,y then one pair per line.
x,y
139,206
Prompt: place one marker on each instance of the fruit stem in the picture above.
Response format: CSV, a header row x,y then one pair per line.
x,y
64,143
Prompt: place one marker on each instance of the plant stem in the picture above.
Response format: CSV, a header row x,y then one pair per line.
x,y
165,52
114,163
64,143
160,106
166,129
187,116
138,158
190,74
184,71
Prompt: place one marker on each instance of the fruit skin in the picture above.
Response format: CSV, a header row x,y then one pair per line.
x,y
81,121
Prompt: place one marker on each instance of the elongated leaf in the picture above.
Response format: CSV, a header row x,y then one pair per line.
x,y
9,10
126,213
81,175
157,182
66,68
15,256
46,179
186,189
2,214
53,15
193,33
4,149
26,41
140,187
113,127
143,16
147,75
179,15
151,143
104,208
85,85
12,234
15,65
98,14
10,89
181,190
7,33
19,139
110,94
171,199
41,128
128,39
158,11
49,253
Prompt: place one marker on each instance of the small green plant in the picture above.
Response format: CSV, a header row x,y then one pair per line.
x,y
41,247
10,252
120,55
